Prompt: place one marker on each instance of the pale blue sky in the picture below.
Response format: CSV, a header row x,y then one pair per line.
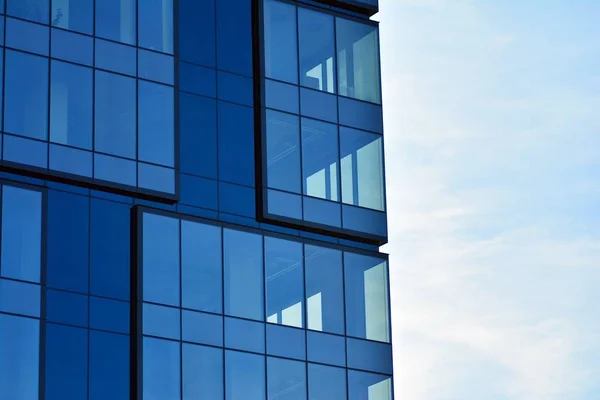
x,y
492,118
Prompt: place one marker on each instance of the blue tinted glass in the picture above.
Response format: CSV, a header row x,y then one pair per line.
x,y
156,25
235,88
324,289
157,178
68,227
236,144
161,369
317,50
365,221
361,115
161,259
71,105
198,192
20,298
198,135
21,233
27,36
246,335
109,315
34,10
115,115
109,366
1,71
283,151
109,247
370,356
281,96
286,342
161,321
26,151
20,361
197,31
326,349
234,37
243,274
66,308
366,386
26,95
115,19
202,372
156,123
284,204
202,328
155,66
114,169
322,212
66,362
326,382
286,379
76,15
284,279
236,199
197,80
244,376
74,161
72,47
320,159
367,297
280,42
318,105
115,57
2,23
201,269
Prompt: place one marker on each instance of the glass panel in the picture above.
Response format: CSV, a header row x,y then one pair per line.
x,y
198,153
326,349
283,151
284,204
115,57
66,363
161,321
246,335
26,151
358,60
156,67
284,271
243,274
280,44
156,25
156,123
286,379
109,315
66,308
20,361
317,50
109,366
244,376
202,270
365,386
76,15
320,159
70,160
281,96
72,47
71,105
369,356
34,10
153,177
197,42
324,289
202,328
236,136
286,342
161,374
362,169
26,95
115,19
27,36
20,298
114,169
161,259
202,372
21,233
115,115
197,80
234,36
367,297
326,382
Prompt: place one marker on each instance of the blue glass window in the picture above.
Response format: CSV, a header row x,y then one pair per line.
x,y
283,151
198,135
286,379
115,114
71,105
320,159
366,386
202,372
20,298
197,31
70,160
234,36
109,315
161,369
286,342
21,233
243,261
156,123
317,50
242,334
202,328
280,43
66,308
66,362
20,361
26,95
236,137
326,349
115,57
72,47
109,366
161,321
244,376
27,36
33,10
76,15
156,67
115,20
327,383
156,25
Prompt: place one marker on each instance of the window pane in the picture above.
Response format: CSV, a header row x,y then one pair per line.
x,y
326,382
243,274
20,298
362,169
286,379
20,361
358,60
71,105
26,95
34,10
156,123
66,308
115,115
324,289
21,233
286,342
161,259
202,328
317,50
115,19
161,374
156,25
320,159
367,297
244,376
365,386
242,334
109,366
66,362
201,267
202,372
161,321
281,58
283,151
76,15
27,36
284,280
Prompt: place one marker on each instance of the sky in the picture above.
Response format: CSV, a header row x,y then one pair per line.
x,y
492,135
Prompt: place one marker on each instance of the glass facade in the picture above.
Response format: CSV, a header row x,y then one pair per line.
x,y
191,201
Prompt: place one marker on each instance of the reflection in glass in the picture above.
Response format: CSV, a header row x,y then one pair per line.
x,y
358,60
161,374
156,123
326,382
244,376
76,15
33,10
115,20
362,168
202,372
156,25
320,159
286,379
367,297
283,151
317,50
280,44
366,386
